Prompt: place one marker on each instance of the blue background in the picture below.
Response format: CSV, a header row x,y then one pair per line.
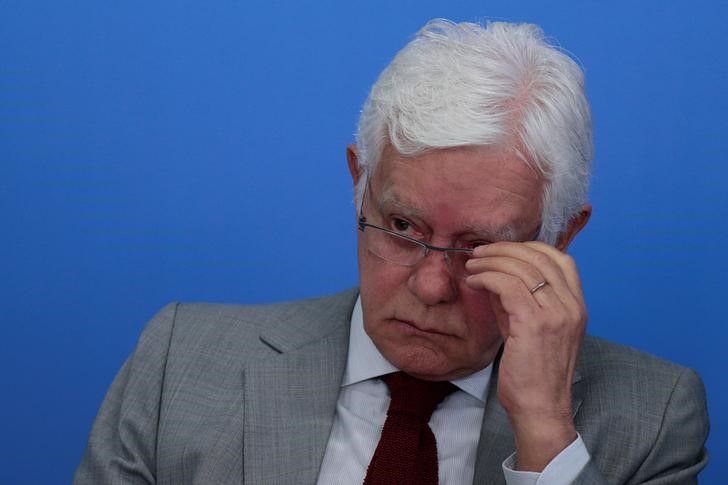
x,y
159,151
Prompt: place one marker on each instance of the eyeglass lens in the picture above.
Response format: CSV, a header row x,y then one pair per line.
x,y
401,251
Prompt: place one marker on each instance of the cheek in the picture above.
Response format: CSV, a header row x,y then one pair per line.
x,y
379,281
479,316
475,302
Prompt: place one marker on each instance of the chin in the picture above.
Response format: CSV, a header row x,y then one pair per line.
x,y
422,363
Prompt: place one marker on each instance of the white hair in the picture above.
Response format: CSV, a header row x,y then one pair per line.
x,y
496,84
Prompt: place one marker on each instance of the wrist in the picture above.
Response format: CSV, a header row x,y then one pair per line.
x,y
538,441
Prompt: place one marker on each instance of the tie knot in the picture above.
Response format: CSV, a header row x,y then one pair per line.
x,y
415,397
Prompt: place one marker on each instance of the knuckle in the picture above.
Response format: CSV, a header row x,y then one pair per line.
x,y
568,261
552,326
577,315
541,259
534,275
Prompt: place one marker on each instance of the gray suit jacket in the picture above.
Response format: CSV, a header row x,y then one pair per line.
x,y
217,394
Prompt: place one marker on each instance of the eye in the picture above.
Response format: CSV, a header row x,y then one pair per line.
x,y
475,244
405,227
401,225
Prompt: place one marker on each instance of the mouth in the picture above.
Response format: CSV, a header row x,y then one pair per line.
x,y
414,328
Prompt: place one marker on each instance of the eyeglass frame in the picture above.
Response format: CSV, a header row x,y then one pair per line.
x,y
362,223
426,246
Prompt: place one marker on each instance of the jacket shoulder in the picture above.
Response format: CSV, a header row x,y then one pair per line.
x,y
640,416
602,357
626,380
221,337
308,318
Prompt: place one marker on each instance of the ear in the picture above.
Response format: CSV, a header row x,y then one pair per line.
x,y
576,224
353,159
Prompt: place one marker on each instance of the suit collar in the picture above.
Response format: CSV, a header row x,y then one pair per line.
x,y
301,322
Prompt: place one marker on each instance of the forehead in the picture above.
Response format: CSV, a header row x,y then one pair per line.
x,y
461,188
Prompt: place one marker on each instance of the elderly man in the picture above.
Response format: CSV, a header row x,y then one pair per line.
x,y
461,358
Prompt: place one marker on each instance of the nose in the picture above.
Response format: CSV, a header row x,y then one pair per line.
x,y
432,281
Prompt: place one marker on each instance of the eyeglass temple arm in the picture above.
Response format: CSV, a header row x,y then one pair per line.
x,y
362,218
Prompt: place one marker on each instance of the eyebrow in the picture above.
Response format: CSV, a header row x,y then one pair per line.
x,y
390,199
492,233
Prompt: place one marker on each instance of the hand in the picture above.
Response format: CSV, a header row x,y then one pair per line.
x,y
542,332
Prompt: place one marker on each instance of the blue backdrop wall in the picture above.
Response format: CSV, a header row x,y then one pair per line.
x,y
159,151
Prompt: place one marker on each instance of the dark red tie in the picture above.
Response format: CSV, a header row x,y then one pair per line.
x,y
407,453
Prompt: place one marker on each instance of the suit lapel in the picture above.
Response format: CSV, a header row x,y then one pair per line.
x,y
290,398
496,435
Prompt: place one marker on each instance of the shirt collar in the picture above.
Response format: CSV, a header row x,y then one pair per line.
x,y
366,362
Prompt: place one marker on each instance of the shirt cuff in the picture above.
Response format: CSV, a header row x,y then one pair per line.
x,y
562,470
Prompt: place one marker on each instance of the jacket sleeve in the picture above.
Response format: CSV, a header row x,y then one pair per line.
x,y
122,446
678,453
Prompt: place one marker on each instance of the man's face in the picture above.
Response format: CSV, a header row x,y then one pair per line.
x,y
424,319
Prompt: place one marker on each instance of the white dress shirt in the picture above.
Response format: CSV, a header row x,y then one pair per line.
x,y
362,409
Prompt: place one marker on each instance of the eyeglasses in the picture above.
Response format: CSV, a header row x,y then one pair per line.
x,y
404,250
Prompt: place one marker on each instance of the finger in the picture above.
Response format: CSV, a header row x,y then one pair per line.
x,y
528,273
576,307
565,262
558,295
514,297
542,261
531,279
